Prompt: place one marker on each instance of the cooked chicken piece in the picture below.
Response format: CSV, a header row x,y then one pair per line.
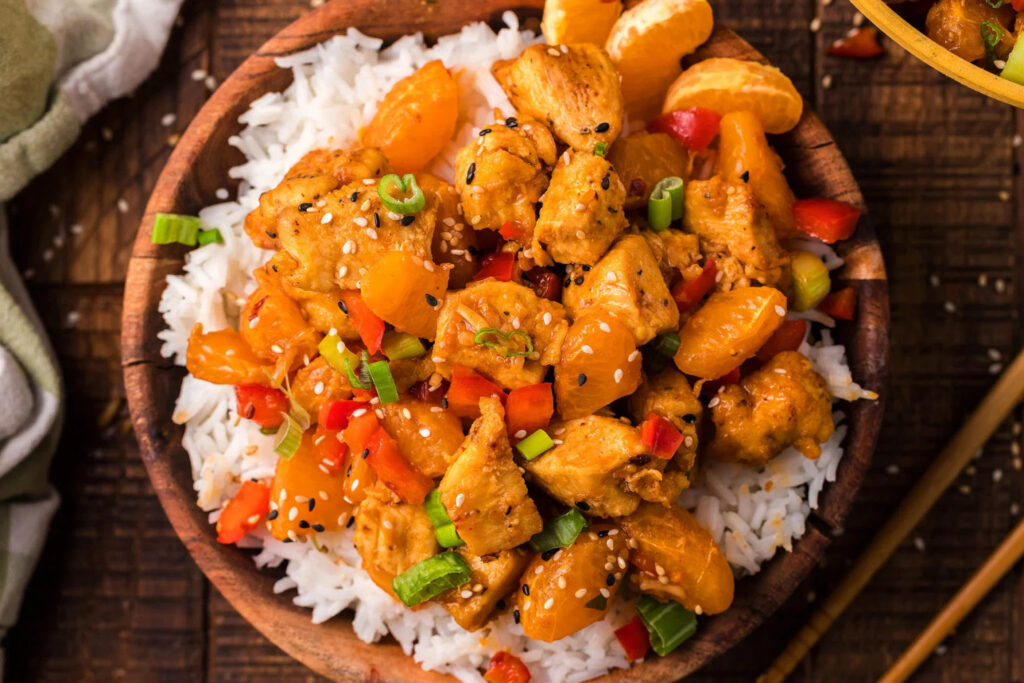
x,y
454,241
307,182
322,309
276,331
582,211
391,536
574,88
426,438
497,575
522,318
735,231
335,243
409,371
642,159
678,560
669,394
501,175
483,490
626,283
784,403
676,252
318,383
600,466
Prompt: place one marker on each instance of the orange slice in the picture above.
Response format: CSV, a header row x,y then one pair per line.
x,y
726,85
646,44
579,21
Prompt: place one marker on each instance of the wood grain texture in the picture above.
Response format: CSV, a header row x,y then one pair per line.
x,y
931,158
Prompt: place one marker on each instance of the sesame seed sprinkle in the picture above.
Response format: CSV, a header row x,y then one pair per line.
x,y
618,375
460,499
549,603
780,310
327,218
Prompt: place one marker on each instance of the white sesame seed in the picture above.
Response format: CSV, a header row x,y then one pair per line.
x,y
406,414
713,402
168,119
355,485
538,570
521,434
254,322
605,327
633,356
342,271
587,348
618,375
360,221
997,475
253,519
424,432
221,193
368,181
460,499
610,543
318,388
276,349
387,524
606,593
394,216
466,595
561,582
122,205
780,310
449,221
919,543
371,233
621,562
549,603
688,441
546,318
365,206
564,49
580,593
293,513
210,82
198,74
815,25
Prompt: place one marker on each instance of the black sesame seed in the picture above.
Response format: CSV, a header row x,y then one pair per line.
x,y
407,220
508,511
272,515
312,504
485,131
582,505
348,472
606,182
376,219
612,209
745,176
640,460
319,528
303,524
515,615
548,554
350,522
366,453
582,379
271,235
526,590
444,403
471,173
500,605
586,268
610,580
568,281
431,299
287,540
343,307
579,280
305,206
473,250
511,122
603,127
689,418
602,533
355,196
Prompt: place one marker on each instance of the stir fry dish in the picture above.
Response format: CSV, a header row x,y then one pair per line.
x,y
503,384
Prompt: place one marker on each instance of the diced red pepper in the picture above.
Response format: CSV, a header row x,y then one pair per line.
x,y
334,414
860,43
243,512
1018,5
695,127
505,667
466,389
498,265
827,219
731,377
397,473
787,338
634,639
366,322
360,429
689,294
265,406
842,304
529,409
511,230
660,436
328,451
546,285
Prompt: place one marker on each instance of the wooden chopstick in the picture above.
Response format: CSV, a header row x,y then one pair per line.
x,y
981,424
998,563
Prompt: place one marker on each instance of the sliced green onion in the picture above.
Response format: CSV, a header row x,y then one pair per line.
x,y
448,537
407,183
811,282
402,345
267,431
431,577
559,532
667,344
333,350
354,380
289,437
380,374
600,149
171,228
210,236
504,349
1014,69
991,34
669,624
659,211
535,445
673,187
444,529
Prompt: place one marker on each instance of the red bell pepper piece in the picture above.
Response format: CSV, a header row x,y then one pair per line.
x,y
787,338
334,415
263,405
695,127
360,429
529,409
366,322
842,304
660,436
243,512
546,285
466,389
1018,5
634,639
498,265
826,219
328,451
689,294
397,473
860,43
511,230
505,667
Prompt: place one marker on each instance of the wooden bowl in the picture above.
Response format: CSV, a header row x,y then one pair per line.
x,y
199,166
917,43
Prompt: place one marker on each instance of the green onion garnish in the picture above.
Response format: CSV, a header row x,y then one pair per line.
x,y
811,281
341,359
407,183
600,149
431,577
289,437
506,350
353,378
402,345
209,237
559,532
991,34
667,344
535,444
444,528
1014,69
666,203
380,373
669,624
171,228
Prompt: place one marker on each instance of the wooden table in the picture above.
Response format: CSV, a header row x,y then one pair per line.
x,y
116,596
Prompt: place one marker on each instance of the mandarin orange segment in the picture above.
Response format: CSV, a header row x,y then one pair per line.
x,y
579,21
416,119
304,497
599,364
406,291
724,85
646,44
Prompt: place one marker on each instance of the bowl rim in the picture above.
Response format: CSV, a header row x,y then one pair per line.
x,y
185,185
917,43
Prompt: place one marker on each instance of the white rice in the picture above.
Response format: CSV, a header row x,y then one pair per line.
x,y
335,91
